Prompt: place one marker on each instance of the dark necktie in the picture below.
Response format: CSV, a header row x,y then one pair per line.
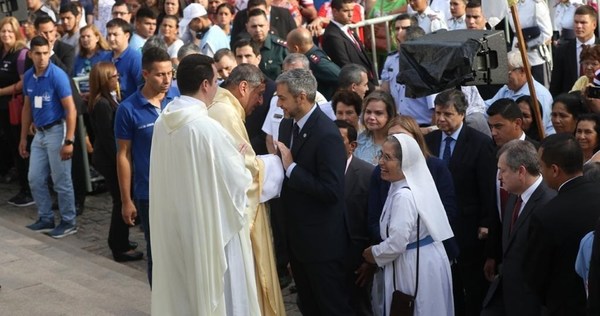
x,y
295,132
515,213
447,150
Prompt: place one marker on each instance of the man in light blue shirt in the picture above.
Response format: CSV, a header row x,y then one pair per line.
x,y
517,87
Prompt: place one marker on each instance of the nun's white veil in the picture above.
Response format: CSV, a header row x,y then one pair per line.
x,y
428,202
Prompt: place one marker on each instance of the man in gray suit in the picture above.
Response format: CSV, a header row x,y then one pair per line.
x,y
519,172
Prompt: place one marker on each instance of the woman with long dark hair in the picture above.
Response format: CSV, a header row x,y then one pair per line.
x,y
103,104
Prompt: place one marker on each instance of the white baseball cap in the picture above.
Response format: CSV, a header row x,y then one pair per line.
x,y
192,11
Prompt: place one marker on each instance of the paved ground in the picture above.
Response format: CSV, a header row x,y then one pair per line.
x,y
75,275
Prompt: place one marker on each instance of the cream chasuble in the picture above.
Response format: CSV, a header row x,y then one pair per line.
x,y
228,111
200,241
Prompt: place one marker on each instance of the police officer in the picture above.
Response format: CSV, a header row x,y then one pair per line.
x,y
272,48
326,71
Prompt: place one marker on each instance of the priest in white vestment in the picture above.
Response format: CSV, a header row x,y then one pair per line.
x,y
198,183
242,92
412,198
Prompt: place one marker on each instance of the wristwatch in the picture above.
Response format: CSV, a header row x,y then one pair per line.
x,y
69,141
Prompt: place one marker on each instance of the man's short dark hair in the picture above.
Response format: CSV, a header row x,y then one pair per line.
x,y
351,130
145,13
563,150
507,108
153,55
246,42
407,16
471,4
256,12
337,4
256,3
69,7
118,22
119,3
347,97
42,19
192,71
452,97
587,10
39,41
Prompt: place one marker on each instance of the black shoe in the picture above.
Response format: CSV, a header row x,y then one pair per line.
x,y
128,256
22,199
79,207
133,245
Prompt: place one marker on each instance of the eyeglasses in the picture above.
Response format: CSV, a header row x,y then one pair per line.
x,y
385,157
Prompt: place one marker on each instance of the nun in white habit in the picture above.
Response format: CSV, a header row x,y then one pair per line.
x,y
412,196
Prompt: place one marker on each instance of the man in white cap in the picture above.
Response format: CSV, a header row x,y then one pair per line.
x,y
196,27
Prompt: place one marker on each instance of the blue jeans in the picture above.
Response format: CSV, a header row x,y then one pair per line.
x,y
45,161
143,208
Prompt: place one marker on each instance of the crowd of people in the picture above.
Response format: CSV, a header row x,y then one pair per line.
x,y
256,143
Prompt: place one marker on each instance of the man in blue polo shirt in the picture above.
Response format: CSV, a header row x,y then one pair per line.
x,y
134,124
127,60
48,100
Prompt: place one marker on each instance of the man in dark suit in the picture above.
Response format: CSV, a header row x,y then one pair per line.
x,y
519,171
567,64
341,43
506,120
356,193
280,19
556,229
470,158
313,197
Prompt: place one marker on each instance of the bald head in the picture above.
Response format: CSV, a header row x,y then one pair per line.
x,y
299,40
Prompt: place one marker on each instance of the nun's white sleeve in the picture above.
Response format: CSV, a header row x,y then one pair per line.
x,y
401,216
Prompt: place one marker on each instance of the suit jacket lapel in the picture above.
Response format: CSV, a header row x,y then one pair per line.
x,y
350,176
305,132
436,139
525,213
460,147
285,131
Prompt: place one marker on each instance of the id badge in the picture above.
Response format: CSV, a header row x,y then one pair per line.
x,y
37,102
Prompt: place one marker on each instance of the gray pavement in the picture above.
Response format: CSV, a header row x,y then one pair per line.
x,y
74,275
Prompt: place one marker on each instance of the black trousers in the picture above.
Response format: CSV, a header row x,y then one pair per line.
x,y
322,289
10,150
118,233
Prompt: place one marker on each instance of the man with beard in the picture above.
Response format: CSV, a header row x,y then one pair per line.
x,y
196,27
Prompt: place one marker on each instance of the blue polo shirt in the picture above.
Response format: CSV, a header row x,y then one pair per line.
x,y
134,121
45,93
129,67
84,65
